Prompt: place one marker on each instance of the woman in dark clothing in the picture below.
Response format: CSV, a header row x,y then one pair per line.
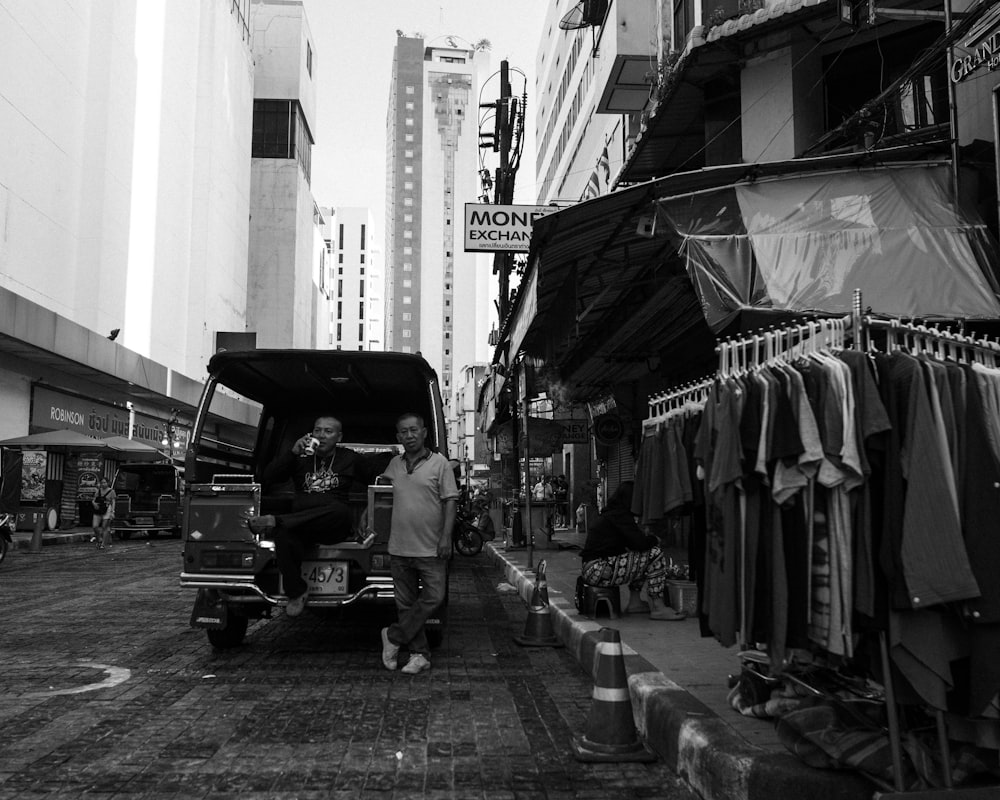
x,y
617,552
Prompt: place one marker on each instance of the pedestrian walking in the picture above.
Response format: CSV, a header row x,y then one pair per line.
x,y
103,504
423,514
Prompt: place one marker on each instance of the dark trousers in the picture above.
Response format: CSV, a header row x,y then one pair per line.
x,y
297,533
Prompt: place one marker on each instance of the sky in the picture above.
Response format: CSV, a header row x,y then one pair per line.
x,y
354,41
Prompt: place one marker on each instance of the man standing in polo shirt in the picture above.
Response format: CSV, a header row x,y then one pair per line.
x,y
423,514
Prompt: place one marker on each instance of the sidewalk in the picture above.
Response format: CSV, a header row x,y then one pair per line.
x,y
678,682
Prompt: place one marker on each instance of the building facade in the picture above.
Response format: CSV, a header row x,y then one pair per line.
x,y
356,280
437,298
288,301
132,206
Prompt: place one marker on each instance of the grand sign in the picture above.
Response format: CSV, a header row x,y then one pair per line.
x,y
498,228
984,42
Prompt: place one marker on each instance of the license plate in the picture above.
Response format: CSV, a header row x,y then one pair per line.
x,y
325,577
143,521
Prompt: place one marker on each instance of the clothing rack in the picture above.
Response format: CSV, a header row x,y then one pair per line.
x,y
940,343
685,396
741,354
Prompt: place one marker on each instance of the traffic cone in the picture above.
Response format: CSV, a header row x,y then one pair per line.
x,y
538,630
611,734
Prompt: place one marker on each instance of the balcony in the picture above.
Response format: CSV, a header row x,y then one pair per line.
x,y
626,68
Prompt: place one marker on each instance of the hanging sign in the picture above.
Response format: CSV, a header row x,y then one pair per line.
x,y
493,228
608,428
983,41
33,464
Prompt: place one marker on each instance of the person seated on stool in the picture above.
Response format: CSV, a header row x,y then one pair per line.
x,y
617,551
323,480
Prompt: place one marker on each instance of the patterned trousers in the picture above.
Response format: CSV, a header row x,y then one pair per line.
x,y
634,568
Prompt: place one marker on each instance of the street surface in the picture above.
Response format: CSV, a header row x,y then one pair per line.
x,y
105,691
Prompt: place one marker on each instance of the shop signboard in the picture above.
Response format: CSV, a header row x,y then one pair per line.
x,y
89,473
54,410
33,464
982,48
492,228
575,431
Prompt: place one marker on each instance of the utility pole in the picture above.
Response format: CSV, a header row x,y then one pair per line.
x,y
506,111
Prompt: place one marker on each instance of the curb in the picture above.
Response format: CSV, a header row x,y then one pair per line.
x,y
707,753
22,541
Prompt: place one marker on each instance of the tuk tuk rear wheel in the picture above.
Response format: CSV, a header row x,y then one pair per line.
x,y
231,635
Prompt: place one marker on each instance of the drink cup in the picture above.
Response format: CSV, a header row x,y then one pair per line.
x,y
311,445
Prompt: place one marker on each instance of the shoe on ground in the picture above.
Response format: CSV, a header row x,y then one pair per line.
x,y
417,663
297,605
390,651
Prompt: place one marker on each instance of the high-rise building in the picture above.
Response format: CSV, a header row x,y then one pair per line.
x,y
356,280
437,296
287,298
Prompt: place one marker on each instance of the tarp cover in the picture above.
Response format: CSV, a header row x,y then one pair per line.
x,y
805,243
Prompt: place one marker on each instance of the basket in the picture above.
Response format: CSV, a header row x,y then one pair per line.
x,y
683,596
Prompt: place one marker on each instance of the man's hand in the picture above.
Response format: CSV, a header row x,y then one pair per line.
x,y
444,548
299,447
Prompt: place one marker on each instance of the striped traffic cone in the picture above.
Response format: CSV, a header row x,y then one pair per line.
x,y
611,734
538,630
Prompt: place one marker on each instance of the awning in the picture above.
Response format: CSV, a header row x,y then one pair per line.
x,y
611,290
65,441
131,450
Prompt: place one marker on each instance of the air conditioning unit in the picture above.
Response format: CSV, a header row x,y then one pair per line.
x,y
594,11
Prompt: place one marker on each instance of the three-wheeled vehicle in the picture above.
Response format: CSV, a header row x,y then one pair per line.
x,y
232,568
147,500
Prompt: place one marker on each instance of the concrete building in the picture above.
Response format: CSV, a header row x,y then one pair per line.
x,y
127,198
437,296
357,281
287,301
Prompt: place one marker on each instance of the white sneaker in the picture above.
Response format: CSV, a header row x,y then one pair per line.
x,y
390,651
417,663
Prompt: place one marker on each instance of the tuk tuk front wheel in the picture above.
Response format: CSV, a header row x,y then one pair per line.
x,y
231,635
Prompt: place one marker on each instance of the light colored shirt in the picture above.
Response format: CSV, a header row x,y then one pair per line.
x,y
418,499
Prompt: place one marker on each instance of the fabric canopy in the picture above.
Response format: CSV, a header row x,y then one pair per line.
x,y
64,441
805,243
131,450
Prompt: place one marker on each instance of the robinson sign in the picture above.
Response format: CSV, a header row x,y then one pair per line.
x,y
493,228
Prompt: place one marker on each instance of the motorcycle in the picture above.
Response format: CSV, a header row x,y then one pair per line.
x,y
465,533
6,534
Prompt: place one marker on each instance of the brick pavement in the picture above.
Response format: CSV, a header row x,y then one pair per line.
x,y
304,710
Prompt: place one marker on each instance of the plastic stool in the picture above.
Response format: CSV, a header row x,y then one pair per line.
x,y
596,598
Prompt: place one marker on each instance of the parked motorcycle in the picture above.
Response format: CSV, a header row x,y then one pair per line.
x,y
465,534
6,534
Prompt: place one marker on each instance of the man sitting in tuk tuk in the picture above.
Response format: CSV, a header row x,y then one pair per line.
x,y
324,475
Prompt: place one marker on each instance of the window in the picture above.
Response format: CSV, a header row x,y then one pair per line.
x,y
340,258
407,283
340,288
408,154
407,251
408,122
407,316
407,349
279,131
408,186
407,137
409,90
407,201
407,266
309,59
407,234
408,169
361,289
339,331
340,238
407,217
340,309
363,237
409,105
362,261
361,311
406,333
